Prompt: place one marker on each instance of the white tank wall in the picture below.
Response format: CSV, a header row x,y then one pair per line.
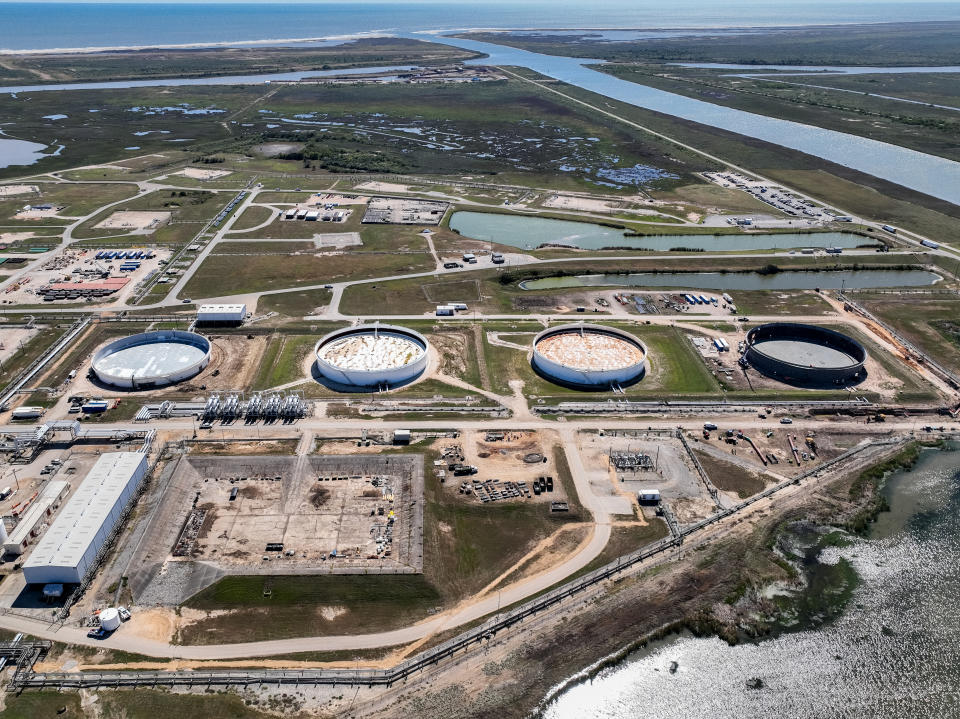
x,y
373,378
154,381
109,619
571,375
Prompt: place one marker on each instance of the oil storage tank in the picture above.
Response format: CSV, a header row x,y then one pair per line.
x,y
151,359
589,355
372,355
805,354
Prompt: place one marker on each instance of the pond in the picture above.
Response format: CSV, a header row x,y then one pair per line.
x,y
20,152
787,280
531,232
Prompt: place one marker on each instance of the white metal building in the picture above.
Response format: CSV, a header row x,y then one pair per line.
x,y
31,522
221,314
70,546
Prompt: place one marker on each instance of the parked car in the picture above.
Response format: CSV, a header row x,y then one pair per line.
x,y
124,613
786,420
98,633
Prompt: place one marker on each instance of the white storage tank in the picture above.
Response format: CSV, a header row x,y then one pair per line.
x,y
110,619
372,355
589,355
151,359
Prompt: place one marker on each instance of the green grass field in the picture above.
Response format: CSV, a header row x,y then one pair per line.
x,y
371,603
283,360
294,304
76,200
251,217
222,275
931,322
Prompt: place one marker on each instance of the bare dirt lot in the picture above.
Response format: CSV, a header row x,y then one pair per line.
x,y
382,187
12,338
669,468
198,173
133,220
15,236
583,204
501,458
13,190
315,513
404,211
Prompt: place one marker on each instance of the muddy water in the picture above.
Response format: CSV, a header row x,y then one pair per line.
x,y
891,653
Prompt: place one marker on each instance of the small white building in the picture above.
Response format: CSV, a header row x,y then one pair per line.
x,y
446,310
648,496
71,544
32,520
221,314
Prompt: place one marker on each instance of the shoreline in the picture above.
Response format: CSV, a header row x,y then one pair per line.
x,y
222,44
433,33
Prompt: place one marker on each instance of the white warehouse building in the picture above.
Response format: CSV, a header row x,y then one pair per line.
x,y
71,544
221,314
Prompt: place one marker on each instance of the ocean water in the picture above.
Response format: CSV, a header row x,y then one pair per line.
x,y
49,25
892,654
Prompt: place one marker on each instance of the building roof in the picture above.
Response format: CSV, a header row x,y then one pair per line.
x,y
48,495
109,283
75,529
221,308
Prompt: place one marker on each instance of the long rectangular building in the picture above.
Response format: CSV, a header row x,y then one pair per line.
x,y
70,546
221,314
31,521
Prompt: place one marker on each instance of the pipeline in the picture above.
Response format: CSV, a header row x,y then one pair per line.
x,y
757,450
793,448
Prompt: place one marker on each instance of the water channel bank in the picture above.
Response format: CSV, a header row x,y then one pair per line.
x,y
871,632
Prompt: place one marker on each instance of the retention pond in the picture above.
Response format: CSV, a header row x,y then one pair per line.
x,y
529,233
786,280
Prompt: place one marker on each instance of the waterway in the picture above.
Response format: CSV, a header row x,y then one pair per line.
x,y
890,652
531,232
787,280
178,81
935,176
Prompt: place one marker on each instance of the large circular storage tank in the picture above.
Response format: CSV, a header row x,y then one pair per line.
x,y
589,355
805,354
109,619
151,359
372,355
